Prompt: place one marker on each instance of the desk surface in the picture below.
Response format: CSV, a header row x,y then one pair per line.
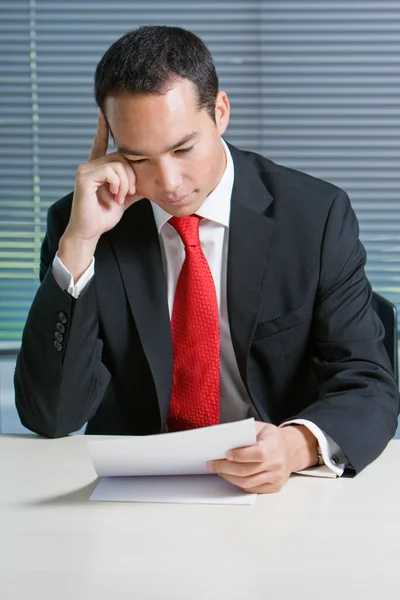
x,y
316,538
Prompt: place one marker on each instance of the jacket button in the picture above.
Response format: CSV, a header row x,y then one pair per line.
x,y
62,317
58,346
60,327
58,336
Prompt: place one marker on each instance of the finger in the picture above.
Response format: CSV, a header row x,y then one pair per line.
x,y
108,174
257,453
131,177
260,426
248,483
115,172
266,430
271,486
228,467
124,182
118,159
100,142
105,197
267,488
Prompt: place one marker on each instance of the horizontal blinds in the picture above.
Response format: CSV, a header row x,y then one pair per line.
x,y
20,202
313,85
49,51
330,106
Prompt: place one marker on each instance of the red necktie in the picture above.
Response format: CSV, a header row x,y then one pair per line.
x,y
195,337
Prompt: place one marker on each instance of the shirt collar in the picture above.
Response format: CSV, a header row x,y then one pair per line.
x,y
216,207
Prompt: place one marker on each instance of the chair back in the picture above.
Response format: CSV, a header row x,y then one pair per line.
x,y
387,313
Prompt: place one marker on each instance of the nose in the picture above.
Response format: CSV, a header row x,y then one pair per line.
x,y
168,178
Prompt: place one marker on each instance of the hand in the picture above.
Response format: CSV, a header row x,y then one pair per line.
x,y
265,467
104,189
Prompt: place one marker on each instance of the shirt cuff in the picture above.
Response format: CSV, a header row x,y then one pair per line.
x,y
334,457
65,279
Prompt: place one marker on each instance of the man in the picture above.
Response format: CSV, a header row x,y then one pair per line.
x,y
186,283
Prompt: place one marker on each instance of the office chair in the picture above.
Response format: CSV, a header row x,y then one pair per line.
x,y
387,313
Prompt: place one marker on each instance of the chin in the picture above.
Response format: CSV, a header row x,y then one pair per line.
x,y
181,211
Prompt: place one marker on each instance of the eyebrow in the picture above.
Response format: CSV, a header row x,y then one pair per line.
x,y
187,138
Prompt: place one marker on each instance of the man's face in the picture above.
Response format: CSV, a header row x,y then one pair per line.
x,y
175,148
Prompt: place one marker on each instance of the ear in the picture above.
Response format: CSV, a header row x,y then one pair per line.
x,y
222,112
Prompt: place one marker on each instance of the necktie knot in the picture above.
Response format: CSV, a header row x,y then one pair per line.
x,y
187,228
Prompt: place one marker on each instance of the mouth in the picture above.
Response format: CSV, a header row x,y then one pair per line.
x,y
175,201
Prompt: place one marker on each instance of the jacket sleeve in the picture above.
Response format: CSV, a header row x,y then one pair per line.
x,y
358,401
59,383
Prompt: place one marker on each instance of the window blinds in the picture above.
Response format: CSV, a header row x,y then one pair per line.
x,y
313,85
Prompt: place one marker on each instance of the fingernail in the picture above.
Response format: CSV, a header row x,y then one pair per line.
x,y
229,455
209,466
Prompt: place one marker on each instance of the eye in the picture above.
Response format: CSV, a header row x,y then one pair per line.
x,y
137,162
184,150
142,160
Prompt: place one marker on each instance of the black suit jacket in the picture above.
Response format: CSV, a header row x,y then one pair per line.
x,y
307,342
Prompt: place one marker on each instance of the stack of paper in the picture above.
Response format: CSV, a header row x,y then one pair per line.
x,y
170,467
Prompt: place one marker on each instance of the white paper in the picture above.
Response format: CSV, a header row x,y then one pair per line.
x,y
179,489
170,467
180,453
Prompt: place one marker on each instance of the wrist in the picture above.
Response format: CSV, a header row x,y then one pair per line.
x,y
301,446
76,254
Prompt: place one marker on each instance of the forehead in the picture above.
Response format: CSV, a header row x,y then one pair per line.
x,y
149,122
179,99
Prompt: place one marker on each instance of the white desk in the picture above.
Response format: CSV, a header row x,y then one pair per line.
x,y
317,538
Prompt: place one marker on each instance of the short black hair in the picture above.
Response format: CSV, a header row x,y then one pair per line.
x,y
149,60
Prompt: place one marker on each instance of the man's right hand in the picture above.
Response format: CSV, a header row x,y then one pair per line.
x,y
104,189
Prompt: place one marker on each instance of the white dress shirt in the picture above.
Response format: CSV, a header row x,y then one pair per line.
x,y
235,403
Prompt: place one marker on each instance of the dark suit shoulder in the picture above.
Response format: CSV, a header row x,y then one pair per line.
x,y
281,180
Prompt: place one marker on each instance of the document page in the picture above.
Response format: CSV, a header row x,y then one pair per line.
x,y
170,467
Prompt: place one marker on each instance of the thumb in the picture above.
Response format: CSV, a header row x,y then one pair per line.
x,y
263,430
100,142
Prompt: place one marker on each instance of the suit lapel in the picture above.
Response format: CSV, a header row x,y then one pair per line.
x,y
251,242
137,249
